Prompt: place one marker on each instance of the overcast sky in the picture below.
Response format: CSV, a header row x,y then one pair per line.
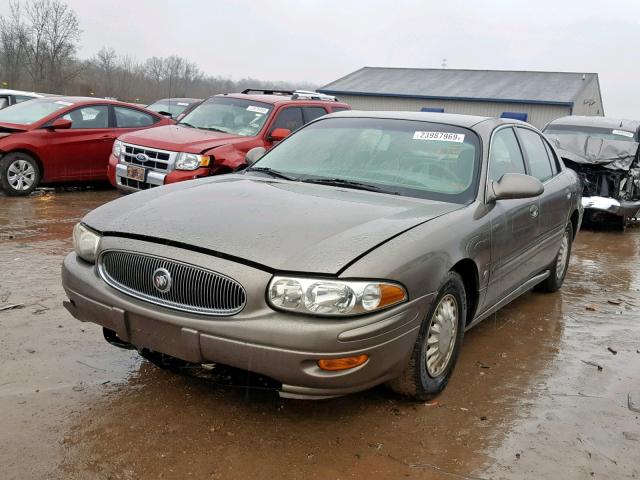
x,y
320,41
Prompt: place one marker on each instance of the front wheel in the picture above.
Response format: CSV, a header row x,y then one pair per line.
x,y
560,265
19,174
436,349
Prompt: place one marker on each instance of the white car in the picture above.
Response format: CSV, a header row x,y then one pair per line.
x,y
11,97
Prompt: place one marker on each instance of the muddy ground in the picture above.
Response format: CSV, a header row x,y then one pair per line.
x,y
544,389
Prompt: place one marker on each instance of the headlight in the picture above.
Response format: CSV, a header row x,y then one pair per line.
x,y
191,161
317,296
117,148
85,243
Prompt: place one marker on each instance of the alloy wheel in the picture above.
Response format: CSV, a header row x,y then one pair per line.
x,y
21,175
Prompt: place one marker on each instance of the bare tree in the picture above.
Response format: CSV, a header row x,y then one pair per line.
x,y
105,62
50,43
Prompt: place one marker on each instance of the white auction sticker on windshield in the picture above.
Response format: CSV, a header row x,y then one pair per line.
x,y
182,104
439,136
623,133
253,108
66,104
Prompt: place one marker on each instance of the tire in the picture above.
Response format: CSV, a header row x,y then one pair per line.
x,y
556,276
19,174
422,380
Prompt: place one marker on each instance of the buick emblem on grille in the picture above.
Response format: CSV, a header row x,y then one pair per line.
x,y
162,280
142,157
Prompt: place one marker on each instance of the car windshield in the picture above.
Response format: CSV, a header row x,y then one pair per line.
x,y
173,108
412,158
229,115
31,111
598,132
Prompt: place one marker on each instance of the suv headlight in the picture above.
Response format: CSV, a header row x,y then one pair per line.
x,y
85,243
117,149
316,296
191,161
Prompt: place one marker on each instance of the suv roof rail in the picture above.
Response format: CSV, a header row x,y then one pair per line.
x,y
267,91
309,95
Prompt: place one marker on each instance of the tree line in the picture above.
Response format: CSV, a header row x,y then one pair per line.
x,y
38,52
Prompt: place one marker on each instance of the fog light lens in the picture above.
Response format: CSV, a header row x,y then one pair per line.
x,y
334,364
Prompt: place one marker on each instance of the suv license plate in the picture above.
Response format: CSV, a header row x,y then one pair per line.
x,y
135,173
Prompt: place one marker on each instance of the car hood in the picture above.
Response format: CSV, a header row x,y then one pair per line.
x,y
280,225
176,138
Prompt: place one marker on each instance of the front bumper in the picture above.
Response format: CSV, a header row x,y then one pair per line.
x,y
611,205
284,347
118,177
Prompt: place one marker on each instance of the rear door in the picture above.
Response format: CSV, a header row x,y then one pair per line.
x,y
554,202
82,151
514,222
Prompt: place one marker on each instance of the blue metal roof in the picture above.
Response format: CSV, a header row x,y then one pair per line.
x,y
552,88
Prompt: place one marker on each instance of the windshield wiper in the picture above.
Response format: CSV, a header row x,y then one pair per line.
x,y
341,182
272,172
214,129
187,125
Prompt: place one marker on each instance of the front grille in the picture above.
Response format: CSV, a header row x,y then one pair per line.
x,y
157,159
193,289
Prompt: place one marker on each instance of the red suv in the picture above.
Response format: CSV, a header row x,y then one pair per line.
x,y
214,137
63,139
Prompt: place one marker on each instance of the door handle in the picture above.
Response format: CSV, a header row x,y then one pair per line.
x,y
533,211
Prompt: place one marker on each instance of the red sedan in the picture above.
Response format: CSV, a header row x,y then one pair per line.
x,y
63,139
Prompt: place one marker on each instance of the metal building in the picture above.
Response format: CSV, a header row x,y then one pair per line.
x,y
537,97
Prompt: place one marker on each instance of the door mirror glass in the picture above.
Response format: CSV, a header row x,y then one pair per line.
x,y
279,134
254,155
61,124
516,185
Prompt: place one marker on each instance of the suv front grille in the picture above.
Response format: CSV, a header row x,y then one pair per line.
x,y
192,289
157,159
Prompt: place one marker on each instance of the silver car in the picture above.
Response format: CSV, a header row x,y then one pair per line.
x,y
354,253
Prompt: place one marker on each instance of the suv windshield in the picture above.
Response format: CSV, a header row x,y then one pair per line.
x,y
32,111
173,108
412,158
598,132
229,115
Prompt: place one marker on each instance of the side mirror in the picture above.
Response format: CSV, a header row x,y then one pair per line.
x,y
61,124
515,185
254,155
279,134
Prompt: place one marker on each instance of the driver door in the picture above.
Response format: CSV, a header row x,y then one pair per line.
x,y
82,151
514,222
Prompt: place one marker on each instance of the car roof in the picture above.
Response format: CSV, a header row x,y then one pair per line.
x,y
466,121
276,99
174,99
87,100
7,91
593,121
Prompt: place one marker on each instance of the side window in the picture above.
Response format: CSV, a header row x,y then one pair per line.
x,y
536,154
338,109
311,113
505,155
555,166
4,102
22,98
289,118
96,116
130,118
